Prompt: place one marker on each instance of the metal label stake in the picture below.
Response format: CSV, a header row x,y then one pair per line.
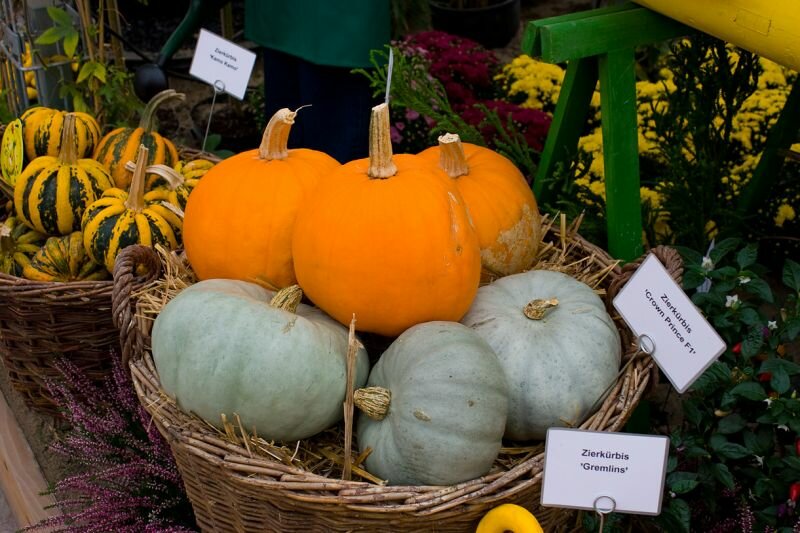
x,y
604,505
219,86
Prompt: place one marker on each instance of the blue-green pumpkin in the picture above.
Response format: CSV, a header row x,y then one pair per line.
x,y
228,346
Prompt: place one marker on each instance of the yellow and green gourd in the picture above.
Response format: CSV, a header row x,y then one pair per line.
x,y
52,193
63,259
42,129
12,152
119,219
17,241
119,146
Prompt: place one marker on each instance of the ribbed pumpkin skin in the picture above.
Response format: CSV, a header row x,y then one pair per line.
x,y
109,226
240,216
42,126
17,240
557,367
220,347
121,145
395,251
448,408
50,196
502,207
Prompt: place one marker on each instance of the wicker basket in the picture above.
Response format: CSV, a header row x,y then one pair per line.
x,y
233,487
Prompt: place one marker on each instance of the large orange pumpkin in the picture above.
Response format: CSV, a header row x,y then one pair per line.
x,y
499,200
389,239
238,220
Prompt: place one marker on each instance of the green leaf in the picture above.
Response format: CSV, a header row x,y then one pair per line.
x,y
750,390
723,474
791,275
672,463
793,462
780,382
775,364
680,510
71,43
722,248
59,16
731,424
747,256
752,343
792,327
85,71
760,288
51,35
730,450
693,278
749,316
682,487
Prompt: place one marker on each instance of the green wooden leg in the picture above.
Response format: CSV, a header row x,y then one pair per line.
x,y
568,120
621,153
782,135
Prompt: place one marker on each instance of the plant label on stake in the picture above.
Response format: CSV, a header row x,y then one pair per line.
x,y
652,304
604,472
219,60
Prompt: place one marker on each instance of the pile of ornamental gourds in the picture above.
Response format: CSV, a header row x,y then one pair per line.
x,y
75,197
398,243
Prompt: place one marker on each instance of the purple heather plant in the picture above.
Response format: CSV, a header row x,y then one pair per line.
x,y
128,481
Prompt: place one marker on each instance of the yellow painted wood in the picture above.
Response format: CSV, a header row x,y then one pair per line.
x,y
770,28
20,477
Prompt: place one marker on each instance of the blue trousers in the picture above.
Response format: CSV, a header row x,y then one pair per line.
x,y
337,122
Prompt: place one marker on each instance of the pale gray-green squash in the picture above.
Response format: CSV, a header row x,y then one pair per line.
x,y
220,347
557,366
445,417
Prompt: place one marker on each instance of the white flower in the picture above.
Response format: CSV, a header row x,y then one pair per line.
x,y
768,401
707,263
732,301
743,280
784,427
759,460
772,324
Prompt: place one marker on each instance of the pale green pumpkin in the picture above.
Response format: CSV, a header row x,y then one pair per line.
x,y
558,365
443,398
220,346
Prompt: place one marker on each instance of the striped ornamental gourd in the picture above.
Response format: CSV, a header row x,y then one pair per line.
x,y
52,193
11,152
17,241
119,146
42,132
63,259
119,219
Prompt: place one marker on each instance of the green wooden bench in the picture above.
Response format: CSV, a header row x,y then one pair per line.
x,y
599,45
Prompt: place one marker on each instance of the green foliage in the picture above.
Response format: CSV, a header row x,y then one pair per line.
x,y
734,457
63,29
697,131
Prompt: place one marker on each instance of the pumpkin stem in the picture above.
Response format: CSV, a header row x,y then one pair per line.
x,y
275,141
174,178
373,401
135,201
68,151
452,158
535,310
287,298
148,120
7,243
381,165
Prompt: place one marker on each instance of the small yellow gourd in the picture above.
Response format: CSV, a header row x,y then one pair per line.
x,y
509,517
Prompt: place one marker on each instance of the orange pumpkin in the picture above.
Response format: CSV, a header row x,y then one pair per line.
x,y
389,239
238,220
499,200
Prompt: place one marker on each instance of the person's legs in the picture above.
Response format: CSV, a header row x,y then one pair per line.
x,y
337,122
282,88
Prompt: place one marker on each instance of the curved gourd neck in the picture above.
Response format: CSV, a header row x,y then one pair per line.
x,y
135,201
148,120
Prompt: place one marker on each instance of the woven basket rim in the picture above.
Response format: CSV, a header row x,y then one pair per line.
x,y
315,489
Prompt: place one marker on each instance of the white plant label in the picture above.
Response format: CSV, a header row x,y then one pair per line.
x,y
222,64
619,472
652,304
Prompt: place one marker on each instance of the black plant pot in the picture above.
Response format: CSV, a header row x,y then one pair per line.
x,y
492,26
